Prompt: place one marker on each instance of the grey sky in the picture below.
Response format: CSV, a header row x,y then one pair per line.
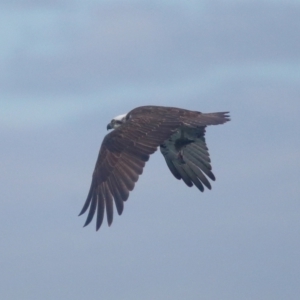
x,y
68,67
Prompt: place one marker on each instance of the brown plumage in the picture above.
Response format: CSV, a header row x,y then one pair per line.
x,y
136,135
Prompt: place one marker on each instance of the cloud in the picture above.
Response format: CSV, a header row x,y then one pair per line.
x,y
105,46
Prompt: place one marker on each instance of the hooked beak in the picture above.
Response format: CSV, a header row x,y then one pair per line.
x,y
108,127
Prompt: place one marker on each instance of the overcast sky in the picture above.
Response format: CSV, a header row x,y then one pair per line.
x,y
68,67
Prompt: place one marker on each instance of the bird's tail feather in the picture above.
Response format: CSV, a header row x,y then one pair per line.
x,y
203,119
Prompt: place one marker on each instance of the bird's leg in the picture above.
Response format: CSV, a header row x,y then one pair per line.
x,y
180,156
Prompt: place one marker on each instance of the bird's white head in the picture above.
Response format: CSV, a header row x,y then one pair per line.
x,y
117,122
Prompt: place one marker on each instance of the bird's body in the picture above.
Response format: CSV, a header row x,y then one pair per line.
x,y
136,135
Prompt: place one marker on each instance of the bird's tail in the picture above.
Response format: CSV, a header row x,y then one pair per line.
x,y
196,119
215,118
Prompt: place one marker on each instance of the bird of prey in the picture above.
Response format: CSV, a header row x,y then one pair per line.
x,y
124,151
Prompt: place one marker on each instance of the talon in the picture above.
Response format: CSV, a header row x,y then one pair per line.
x,y
180,156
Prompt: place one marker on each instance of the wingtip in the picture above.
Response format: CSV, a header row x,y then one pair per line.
x,y
109,222
227,116
85,207
98,226
87,222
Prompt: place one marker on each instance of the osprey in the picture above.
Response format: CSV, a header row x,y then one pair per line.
x,y
124,151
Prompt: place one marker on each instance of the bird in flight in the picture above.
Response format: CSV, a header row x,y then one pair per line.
x,y
124,151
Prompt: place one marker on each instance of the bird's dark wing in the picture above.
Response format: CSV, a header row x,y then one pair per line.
x,y
187,156
124,152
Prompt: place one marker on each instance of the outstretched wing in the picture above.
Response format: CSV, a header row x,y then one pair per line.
x,y
124,152
187,156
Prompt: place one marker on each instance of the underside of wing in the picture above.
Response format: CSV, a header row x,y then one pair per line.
x,y
188,158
